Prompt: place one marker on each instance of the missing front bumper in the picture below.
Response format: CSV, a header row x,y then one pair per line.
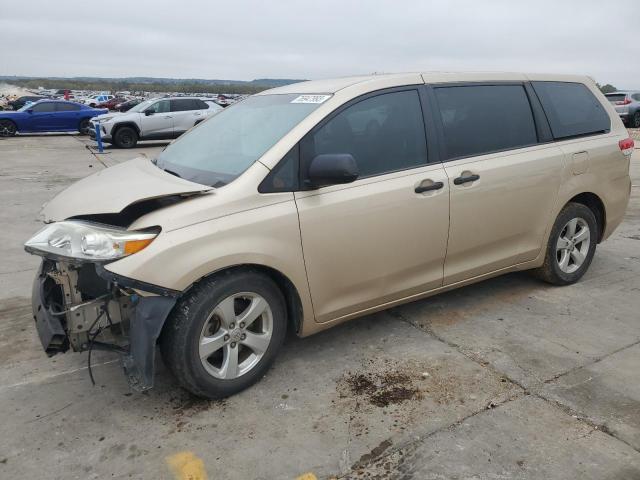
x,y
76,307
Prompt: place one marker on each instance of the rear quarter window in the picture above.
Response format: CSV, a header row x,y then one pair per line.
x,y
572,110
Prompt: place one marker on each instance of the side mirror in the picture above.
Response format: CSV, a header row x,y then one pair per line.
x,y
149,112
30,110
332,169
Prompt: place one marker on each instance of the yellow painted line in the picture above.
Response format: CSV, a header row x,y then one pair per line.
x,y
186,466
307,476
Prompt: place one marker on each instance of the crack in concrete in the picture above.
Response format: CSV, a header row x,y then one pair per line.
x,y
597,360
91,152
533,391
426,436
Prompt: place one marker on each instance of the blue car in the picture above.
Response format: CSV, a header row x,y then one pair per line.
x,y
48,116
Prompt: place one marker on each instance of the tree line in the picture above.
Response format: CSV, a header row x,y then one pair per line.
x,y
119,86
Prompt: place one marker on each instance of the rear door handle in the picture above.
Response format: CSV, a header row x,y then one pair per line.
x,y
465,179
426,188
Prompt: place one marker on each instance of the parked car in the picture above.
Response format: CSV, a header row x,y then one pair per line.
x,y
111,103
155,119
95,100
127,105
314,203
20,102
48,116
627,104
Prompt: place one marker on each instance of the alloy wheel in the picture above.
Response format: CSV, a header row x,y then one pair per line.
x,y
573,244
236,335
7,129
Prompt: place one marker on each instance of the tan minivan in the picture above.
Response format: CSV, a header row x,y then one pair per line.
x,y
318,202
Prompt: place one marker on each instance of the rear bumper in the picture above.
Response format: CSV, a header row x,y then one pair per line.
x,y
616,204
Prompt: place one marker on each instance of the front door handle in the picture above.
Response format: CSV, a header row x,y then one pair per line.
x,y
465,179
426,188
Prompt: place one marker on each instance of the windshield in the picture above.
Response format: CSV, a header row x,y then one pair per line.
x,y
218,150
142,105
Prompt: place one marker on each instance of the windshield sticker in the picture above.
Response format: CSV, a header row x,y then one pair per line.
x,y
311,99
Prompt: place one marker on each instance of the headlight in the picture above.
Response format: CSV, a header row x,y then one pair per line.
x,y
103,120
88,241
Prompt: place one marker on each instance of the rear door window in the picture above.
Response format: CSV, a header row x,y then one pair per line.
x,y
384,133
199,104
67,107
572,110
182,105
480,119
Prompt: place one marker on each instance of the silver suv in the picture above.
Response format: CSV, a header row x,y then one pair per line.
x,y
155,119
627,104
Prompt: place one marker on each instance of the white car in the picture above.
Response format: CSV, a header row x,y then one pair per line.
x,y
154,119
96,99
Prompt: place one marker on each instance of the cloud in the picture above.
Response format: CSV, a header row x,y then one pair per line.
x,y
309,39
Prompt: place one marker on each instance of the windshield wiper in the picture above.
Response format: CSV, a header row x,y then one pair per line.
x,y
172,172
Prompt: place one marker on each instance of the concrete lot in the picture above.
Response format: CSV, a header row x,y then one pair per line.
x,y
509,378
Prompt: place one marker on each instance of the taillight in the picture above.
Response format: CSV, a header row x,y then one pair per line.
x,y
626,146
626,101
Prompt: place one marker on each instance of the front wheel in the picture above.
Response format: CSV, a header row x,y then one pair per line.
x,y
571,247
125,137
7,128
225,333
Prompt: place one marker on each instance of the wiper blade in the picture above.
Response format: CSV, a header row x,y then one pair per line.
x,y
172,172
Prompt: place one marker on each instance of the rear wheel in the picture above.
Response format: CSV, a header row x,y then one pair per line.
x,y
224,334
635,120
571,247
83,126
125,137
7,128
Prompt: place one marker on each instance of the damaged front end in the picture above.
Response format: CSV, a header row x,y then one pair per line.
x,y
77,303
82,306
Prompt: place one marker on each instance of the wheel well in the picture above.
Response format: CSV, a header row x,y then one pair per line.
x,y
593,202
117,126
286,286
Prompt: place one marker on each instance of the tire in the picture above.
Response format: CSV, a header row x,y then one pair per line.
x,y
635,120
83,126
568,255
7,128
202,321
125,137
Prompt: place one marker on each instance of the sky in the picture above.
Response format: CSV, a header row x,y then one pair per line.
x,y
248,39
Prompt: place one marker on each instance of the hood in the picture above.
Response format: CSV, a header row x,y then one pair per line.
x,y
107,114
113,189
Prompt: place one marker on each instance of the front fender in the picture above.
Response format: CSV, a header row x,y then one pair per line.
x,y
268,236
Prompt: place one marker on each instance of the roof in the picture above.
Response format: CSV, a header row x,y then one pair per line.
x,y
334,85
